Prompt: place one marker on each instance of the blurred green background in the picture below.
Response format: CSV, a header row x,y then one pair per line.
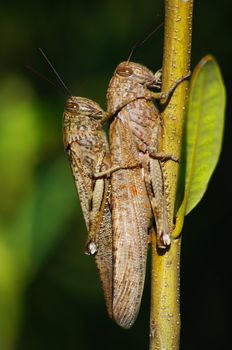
x,y
50,296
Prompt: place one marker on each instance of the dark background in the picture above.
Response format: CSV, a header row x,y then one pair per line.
x,y
50,297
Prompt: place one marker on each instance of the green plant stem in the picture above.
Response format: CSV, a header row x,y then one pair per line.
x,y
176,64
165,315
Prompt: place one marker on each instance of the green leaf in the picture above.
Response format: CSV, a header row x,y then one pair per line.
x,y
205,121
203,134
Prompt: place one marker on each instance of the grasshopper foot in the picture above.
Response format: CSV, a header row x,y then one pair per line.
x,y
91,248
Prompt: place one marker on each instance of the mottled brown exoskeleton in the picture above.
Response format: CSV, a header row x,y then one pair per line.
x,y
88,151
131,216
87,148
135,134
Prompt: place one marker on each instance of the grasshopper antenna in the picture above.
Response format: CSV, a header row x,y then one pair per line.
x,y
55,72
41,76
140,43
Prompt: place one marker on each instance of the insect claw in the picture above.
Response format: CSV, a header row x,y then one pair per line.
x,y
91,248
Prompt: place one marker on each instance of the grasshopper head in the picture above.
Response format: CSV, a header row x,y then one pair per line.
x,y
85,107
136,73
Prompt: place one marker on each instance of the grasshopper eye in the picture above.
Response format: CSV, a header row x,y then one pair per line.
x,y
72,106
124,71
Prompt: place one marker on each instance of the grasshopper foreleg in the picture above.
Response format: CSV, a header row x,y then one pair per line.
x,y
167,94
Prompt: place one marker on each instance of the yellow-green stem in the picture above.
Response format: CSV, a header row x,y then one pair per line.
x,y
165,315
176,64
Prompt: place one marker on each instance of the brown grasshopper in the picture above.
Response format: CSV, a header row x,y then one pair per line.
x,y
87,148
129,93
88,151
135,134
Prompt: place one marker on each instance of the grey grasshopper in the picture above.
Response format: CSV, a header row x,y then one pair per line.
x,y
87,148
135,134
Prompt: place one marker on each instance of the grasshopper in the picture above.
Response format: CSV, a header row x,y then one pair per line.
x,y
88,151
135,134
129,92
87,148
